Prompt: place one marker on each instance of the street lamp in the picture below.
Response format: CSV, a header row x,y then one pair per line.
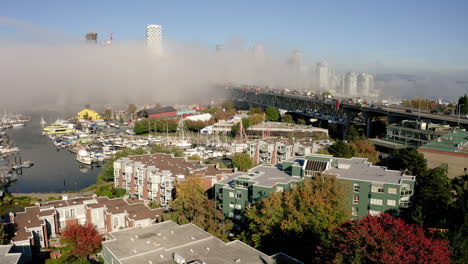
x,y
459,108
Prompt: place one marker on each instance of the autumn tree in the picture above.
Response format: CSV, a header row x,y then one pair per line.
x,y
287,119
384,239
242,161
192,205
255,111
83,239
364,148
131,108
298,221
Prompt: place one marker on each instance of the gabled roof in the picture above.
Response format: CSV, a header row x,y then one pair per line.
x,y
159,110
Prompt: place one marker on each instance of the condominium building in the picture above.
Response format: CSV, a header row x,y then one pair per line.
x,y
323,76
369,189
350,84
168,242
365,84
153,176
275,150
154,39
42,222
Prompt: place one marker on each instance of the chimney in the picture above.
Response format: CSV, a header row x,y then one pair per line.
x,y
65,197
12,217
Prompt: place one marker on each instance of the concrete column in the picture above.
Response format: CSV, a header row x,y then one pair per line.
x,y
368,117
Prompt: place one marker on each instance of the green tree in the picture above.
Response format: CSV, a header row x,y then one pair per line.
x,y
341,149
410,161
462,105
192,205
353,134
107,114
242,161
297,221
458,220
271,114
158,148
287,119
141,127
194,157
302,121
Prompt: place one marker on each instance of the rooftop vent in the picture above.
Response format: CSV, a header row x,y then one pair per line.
x,y
191,250
192,237
237,260
148,242
172,232
134,251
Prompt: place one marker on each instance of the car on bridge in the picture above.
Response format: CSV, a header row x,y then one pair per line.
x,y
409,111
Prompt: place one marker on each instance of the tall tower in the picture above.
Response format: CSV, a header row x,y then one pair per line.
x,y
350,84
296,60
323,75
365,84
91,37
154,39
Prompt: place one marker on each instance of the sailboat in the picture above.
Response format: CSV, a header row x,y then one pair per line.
x,y
43,122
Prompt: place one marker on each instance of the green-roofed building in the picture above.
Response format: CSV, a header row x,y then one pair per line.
x,y
450,150
369,189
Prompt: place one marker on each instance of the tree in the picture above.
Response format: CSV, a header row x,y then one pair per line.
x,y
255,111
302,121
271,114
192,205
131,108
242,161
297,221
353,134
228,105
110,192
194,157
341,150
365,149
107,114
462,105
287,119
384,239
7,232
158,148
410,161
83,239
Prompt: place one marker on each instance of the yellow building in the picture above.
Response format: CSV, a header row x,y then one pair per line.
x,y
88,114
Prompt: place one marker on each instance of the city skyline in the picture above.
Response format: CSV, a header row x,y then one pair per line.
x,y
419,37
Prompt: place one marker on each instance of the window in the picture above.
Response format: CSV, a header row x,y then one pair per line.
x,y
231,205
392,190
279,189
40,237
376,201
377,188
116,222
231,194
70,213
238,206
238,195
231,214
355,199
354,211
374,212
356,187
391,202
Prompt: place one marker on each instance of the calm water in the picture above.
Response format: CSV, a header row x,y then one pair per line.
x,y
53,171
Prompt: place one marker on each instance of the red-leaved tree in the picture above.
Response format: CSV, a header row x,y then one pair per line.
x,y
84,240
384,239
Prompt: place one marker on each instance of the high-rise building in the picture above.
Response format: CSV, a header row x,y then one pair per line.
x,y
219,48
296,60
323,75
350,84
154,39
91,37
365,84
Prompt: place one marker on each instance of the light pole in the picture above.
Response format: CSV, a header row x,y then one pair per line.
x,y
459,112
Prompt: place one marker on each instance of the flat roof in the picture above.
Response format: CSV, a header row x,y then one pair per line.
x,y
6,257
455,141
361,169
159,243
267,176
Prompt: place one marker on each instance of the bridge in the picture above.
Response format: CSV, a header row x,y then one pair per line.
x,y
335,111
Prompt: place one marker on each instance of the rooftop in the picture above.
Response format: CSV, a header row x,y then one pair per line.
x,y
162,242
455,141
267,176
6,257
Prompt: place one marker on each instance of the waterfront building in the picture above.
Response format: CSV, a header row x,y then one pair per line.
x,y
153,176
368,189
168,242
350,84
154,39
450,150
323,76
38,224
88,114
158,112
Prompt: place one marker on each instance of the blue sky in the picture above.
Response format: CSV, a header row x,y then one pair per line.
x,y
413,34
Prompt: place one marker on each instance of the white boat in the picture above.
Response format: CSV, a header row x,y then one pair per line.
x,y
43,122
84,157
8,149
